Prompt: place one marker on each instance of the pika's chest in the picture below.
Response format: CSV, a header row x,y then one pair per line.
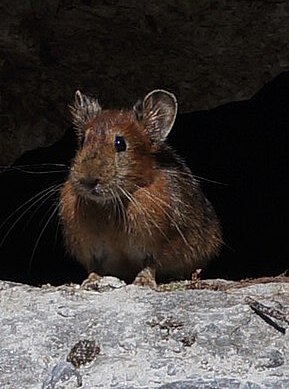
x,y
100,240
115,257
107,249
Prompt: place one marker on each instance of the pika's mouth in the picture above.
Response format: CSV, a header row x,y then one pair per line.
x,y
92,190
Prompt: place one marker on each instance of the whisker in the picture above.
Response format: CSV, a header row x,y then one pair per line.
x,y
147,215
152,220
56,232
45,198
41,233
209,180
154,197
123,211
25,203
40,172
122,207
116,206
148,218
113,202
124,214
36,168
35,200
34,165
191,176
126,195
48,196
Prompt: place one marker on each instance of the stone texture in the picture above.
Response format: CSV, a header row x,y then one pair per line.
x,y
207,53
147,339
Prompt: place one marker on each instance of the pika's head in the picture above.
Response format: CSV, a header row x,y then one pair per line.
x,y
117,148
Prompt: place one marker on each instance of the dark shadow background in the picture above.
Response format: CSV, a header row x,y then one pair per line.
x,y
242,145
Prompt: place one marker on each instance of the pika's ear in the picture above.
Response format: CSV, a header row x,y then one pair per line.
x,y
157,111
83,109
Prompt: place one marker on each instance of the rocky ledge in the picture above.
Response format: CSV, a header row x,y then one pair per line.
x,y
134,337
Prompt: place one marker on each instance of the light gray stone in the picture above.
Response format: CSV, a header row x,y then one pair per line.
x,y
148,339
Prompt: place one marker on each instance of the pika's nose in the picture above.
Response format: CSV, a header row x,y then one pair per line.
x,y
89,182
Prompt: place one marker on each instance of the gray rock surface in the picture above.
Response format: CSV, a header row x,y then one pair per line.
x,y
148,339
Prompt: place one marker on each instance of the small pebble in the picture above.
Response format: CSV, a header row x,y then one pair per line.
x,y
83,352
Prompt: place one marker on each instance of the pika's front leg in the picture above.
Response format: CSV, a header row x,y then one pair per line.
x,y
102,283
147,276
91,282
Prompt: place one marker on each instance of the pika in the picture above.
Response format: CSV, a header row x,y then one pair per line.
x,y
130,207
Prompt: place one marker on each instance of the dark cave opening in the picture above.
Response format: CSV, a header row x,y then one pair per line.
x,y
241,151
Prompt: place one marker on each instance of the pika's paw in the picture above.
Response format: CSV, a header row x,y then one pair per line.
x,y
146,277
102,284
91,282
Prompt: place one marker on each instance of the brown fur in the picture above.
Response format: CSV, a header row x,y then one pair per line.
x,y
119,209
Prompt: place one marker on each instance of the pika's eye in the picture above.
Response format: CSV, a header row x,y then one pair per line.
x,y
119,144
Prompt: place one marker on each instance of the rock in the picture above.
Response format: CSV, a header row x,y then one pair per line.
x,y
207,53
147,339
